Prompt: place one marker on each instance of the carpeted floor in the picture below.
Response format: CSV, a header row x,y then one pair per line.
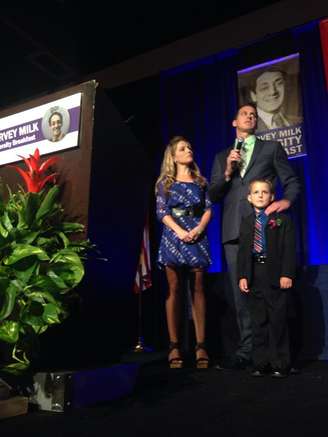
x,y
196,403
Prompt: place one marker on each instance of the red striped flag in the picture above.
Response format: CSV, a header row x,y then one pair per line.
x,y
143,276
324,46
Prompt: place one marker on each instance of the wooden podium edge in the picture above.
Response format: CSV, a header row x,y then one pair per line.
x,y
14,406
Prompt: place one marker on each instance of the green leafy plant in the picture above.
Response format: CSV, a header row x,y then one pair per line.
x,y
41,262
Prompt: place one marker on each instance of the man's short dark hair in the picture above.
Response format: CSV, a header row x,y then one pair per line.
x,y
251,104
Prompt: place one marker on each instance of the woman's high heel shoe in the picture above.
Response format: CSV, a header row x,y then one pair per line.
x,y
201,362
176,362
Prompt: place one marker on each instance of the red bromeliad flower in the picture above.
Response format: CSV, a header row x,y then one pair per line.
x,y
34,178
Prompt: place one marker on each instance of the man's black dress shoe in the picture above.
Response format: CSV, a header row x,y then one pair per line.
x,y
257,373
279,373
294,371
218,367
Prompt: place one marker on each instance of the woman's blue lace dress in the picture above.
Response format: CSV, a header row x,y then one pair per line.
x,y
172,250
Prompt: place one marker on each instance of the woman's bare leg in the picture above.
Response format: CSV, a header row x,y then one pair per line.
x,y
198,309
173,308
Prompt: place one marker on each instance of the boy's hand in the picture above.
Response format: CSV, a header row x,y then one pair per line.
x,y
285,282
243,285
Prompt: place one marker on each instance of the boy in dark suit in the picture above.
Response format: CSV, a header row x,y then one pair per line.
x,y
266,269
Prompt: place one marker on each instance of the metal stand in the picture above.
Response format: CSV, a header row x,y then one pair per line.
x,y
140,346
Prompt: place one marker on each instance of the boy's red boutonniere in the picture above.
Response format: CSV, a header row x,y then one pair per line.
x,y
274,223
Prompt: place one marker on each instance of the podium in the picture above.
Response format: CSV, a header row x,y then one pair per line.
x,y
106,185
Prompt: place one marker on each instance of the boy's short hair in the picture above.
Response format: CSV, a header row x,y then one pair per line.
x,y
263,181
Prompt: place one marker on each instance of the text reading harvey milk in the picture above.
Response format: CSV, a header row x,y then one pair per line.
x,y
19,135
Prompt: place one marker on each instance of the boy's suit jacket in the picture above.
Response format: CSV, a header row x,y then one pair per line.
x,y
268,161
280,248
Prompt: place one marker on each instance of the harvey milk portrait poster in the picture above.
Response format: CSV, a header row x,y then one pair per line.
x,y
274,87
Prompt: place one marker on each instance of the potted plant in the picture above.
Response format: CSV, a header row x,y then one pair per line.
x,y
41,261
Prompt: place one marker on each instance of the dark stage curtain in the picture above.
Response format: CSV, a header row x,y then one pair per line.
x,y
198,100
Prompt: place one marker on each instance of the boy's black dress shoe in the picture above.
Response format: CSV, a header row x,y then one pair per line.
x,y
279,373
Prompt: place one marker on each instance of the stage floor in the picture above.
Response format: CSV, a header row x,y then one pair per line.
x,y
190,402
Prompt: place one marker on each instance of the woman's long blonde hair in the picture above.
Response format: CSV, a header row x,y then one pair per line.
x,y
169,167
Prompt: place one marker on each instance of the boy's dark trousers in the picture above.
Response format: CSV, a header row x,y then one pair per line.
x,y
268,310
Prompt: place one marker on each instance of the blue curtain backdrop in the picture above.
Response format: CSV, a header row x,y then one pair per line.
x,y
199,100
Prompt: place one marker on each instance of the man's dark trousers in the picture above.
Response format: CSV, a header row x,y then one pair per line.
x,y
244,349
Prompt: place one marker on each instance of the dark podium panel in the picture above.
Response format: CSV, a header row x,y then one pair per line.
x,y
105,185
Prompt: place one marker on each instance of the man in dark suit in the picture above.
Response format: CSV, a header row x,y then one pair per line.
x,y
266,268
231,173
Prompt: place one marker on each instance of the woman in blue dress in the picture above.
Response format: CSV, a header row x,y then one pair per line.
x,y
184,208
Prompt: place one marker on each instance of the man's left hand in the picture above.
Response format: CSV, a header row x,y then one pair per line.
x,y
277,206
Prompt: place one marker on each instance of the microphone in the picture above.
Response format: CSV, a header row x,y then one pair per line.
x,y
238,146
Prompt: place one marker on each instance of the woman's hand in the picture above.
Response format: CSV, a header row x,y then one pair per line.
x,y
183,235
195,233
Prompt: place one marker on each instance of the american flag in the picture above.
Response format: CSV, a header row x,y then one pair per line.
x,y
324,45
143,276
